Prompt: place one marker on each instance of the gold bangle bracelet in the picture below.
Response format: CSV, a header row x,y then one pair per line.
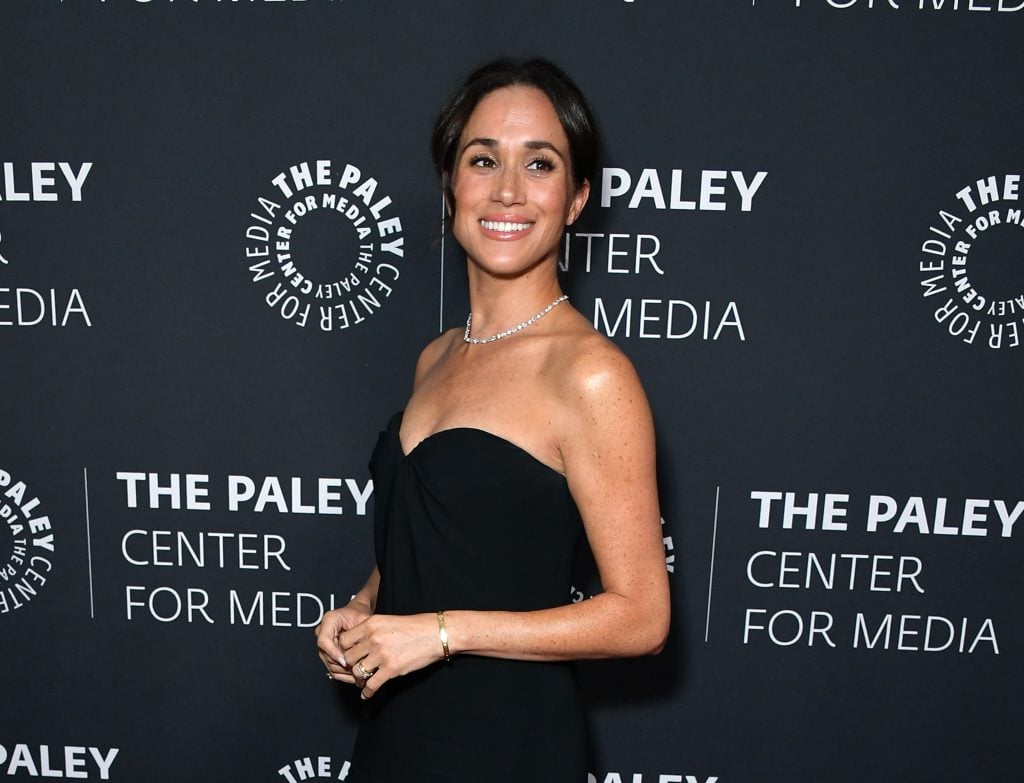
x,y
442,634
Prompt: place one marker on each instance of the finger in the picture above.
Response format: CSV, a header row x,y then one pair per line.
x,y
333,667
369,677
329,648
334,664
356,653
363,669
329,625
337,672
351,636
374,684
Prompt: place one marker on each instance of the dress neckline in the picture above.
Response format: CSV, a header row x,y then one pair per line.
x,y
396,428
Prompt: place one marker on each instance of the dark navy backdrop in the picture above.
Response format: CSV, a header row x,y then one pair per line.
x,y
220,253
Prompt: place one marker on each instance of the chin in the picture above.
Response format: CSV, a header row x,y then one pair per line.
x,y
511,268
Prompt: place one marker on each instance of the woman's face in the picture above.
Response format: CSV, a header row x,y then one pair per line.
x,y
512,182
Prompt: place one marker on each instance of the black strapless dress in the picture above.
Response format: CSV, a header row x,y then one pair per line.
x,y
469,520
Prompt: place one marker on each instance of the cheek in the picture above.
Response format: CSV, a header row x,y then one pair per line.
x,y
462,223
556,201
464,194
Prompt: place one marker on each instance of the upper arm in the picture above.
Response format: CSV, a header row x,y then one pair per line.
x,y
608,450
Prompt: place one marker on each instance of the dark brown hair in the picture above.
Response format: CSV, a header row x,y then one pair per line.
x,y
574,113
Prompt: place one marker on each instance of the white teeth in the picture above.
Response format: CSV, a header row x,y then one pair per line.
x,y
503,226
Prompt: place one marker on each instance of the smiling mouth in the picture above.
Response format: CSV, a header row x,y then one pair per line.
x,y
504,227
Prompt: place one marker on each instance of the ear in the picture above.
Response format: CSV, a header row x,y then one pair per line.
x,y
579,200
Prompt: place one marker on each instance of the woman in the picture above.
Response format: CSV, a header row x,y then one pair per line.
x,y
521,426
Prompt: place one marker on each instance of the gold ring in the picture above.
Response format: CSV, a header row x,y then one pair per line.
x,y
364,672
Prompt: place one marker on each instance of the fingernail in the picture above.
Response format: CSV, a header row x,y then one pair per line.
x,y
343,662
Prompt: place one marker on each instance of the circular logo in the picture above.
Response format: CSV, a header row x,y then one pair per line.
x,y
324,245
314,768
26,554
972,263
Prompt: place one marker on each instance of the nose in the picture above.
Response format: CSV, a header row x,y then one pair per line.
x,y
509,186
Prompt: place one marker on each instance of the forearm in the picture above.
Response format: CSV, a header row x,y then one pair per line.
x,y
608,625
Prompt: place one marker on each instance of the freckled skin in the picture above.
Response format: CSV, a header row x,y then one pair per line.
x,y
558,389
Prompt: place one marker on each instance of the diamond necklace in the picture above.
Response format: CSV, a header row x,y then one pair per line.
x,y
517,328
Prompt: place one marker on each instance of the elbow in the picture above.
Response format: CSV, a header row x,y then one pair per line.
x,y
658,646
658,639
640,626
654,635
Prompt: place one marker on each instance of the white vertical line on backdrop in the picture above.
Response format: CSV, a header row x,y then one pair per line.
x,y
88,540
440,316
711,571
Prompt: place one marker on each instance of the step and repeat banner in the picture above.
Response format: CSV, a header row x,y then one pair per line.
x,y
221,252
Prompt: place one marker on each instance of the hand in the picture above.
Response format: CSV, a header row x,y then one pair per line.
x,y
327,632
389,646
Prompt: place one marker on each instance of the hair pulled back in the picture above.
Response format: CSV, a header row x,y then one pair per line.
x,y
571,107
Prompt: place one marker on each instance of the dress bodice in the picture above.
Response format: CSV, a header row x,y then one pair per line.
x,y
469,520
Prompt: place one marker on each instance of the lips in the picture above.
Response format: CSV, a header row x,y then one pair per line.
x,y
504,226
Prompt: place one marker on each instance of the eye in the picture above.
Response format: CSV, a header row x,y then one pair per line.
x,y
541,164
482,161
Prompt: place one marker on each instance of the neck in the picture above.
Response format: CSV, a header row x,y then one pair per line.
x,y
499,303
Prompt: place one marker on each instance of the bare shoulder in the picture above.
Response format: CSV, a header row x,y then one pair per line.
x,y
600,392
433,353
595,372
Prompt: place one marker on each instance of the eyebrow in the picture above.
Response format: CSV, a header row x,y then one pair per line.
x,y
530,145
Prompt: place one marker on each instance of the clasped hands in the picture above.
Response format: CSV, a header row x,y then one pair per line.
x,y
367,650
